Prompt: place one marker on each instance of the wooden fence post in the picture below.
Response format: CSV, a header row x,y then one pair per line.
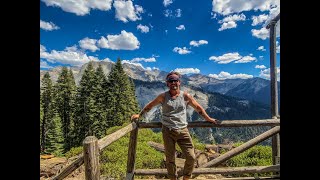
x,y
132,153
91,158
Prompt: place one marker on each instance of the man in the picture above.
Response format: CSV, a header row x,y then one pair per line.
x,y
174,124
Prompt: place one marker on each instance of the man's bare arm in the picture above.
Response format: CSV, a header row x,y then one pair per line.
x,y
159,99
199,109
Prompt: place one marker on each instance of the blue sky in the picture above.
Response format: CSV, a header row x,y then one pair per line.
x,y
219,38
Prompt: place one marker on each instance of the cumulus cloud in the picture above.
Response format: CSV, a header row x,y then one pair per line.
x,y
150,69
261,48
70,56
225,75
256,20
187,70
167,2
90,44
169,13
80,7
142,28
181,27
262,33
152,59
124,41
230,21
198,43
260,66
125,11
230,57
277,47
45,65
266,73
183,50
48,26
236,6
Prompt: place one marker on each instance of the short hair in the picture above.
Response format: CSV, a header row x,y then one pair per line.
x,y
173,72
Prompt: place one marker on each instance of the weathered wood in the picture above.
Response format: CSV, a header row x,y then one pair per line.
x,y
242,147
224,170
132,154
69,169
105,141
91,158
224,123
157,146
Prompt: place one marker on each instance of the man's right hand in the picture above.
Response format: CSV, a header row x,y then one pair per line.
x,y
135,116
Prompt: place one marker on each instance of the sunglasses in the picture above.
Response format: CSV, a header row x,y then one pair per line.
x,y
171,81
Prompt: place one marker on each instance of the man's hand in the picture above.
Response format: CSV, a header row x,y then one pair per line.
x,y
214,121
135,116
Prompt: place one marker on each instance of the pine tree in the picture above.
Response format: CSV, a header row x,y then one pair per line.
x,y
99,126
64,98
122,101
85,106
48,111
55,140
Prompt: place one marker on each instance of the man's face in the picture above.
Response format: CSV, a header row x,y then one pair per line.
x,y
173,84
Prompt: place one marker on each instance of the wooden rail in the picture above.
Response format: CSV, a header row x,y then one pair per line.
x,y
224,170
224,123
102,143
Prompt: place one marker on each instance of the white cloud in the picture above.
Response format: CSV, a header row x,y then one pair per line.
x,y
266,73
262,33
229,57
126,11
178,12
234,17
80,7
261,57
70,56
183,50
246,59
226,58
150,69
187,70
198,43
235,6
123,41
181,27
225,75
227,25
142,28
152,59
45,65
277,47
90,44
261,48
256,20
48,26
167,2
230,21
169,13
42,48
260,66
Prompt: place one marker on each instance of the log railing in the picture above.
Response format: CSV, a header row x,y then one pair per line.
x,y
93,146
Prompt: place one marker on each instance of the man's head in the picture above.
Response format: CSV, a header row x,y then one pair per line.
x,y
173,80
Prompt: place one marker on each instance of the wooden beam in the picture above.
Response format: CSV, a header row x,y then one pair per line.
x,y
224,123
91,158
132,154
222,158
224,170
69,169
105,141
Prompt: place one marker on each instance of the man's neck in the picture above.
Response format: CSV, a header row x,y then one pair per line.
x,y
174,92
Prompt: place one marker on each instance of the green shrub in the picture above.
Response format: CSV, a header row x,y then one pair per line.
x,y
256,156
74,152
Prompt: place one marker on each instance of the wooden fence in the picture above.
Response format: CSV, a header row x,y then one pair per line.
x,y
92,147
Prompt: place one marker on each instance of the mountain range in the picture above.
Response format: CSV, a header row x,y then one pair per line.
x,y
223,99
